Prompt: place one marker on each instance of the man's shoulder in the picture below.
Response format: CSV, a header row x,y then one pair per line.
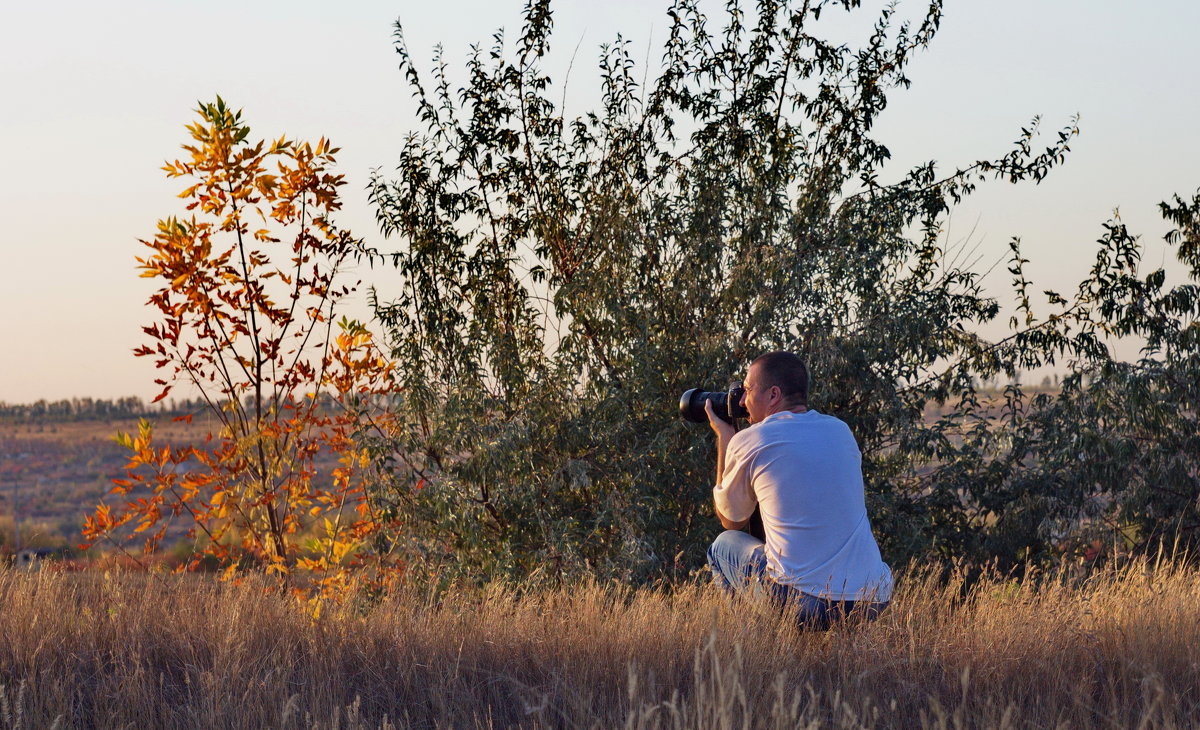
x,y
782,422
831,425
831,420
750,439
745,437
806,425
792,419
765,431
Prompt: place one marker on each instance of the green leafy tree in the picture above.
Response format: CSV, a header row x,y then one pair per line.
x,y
564,280
1112,460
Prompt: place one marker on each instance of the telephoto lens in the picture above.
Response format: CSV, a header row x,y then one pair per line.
x,y
727,406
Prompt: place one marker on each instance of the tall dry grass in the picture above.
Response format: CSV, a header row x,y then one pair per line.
x,y
122,650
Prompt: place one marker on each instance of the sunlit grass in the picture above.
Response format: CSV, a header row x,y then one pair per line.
x,y
124,650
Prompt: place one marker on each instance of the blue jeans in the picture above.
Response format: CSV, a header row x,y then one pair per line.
x,y
739,566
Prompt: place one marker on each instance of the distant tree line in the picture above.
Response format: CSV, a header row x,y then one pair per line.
x,y
90,409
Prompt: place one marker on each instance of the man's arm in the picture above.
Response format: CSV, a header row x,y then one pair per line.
x,y
724,432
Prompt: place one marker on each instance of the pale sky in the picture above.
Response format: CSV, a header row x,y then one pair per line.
x,y
95,96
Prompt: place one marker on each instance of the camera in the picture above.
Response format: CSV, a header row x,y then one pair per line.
x,y
727,406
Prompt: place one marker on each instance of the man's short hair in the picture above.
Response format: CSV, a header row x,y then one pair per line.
x,y
787,371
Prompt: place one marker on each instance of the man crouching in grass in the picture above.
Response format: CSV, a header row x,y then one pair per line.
x,y
803,471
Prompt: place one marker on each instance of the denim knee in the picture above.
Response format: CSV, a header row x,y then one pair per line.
x,y
734,556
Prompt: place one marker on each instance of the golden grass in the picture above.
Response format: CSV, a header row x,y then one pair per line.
x,y
123,650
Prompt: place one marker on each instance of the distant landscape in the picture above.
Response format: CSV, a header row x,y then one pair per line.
x,y
56,464
58,461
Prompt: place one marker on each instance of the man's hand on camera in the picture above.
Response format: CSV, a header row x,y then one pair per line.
x,y
724,432
723,429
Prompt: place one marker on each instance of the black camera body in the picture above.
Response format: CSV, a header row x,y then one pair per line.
x,y
727,406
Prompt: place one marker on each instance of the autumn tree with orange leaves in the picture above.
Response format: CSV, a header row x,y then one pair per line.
x,y
245,311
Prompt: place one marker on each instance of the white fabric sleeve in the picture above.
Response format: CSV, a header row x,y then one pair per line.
x,y
734,496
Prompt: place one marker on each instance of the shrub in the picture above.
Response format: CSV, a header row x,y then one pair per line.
x,y
564,280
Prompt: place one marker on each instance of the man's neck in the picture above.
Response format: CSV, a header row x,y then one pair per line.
x,y
787,409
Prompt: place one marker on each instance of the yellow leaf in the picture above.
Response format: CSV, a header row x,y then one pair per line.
x,y
340,549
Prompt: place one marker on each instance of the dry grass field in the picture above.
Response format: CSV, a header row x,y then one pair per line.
x,y
124,650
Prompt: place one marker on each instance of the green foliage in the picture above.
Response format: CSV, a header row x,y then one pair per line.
x,y
564,280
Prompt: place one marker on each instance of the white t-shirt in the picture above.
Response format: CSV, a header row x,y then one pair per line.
x,y
804,470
